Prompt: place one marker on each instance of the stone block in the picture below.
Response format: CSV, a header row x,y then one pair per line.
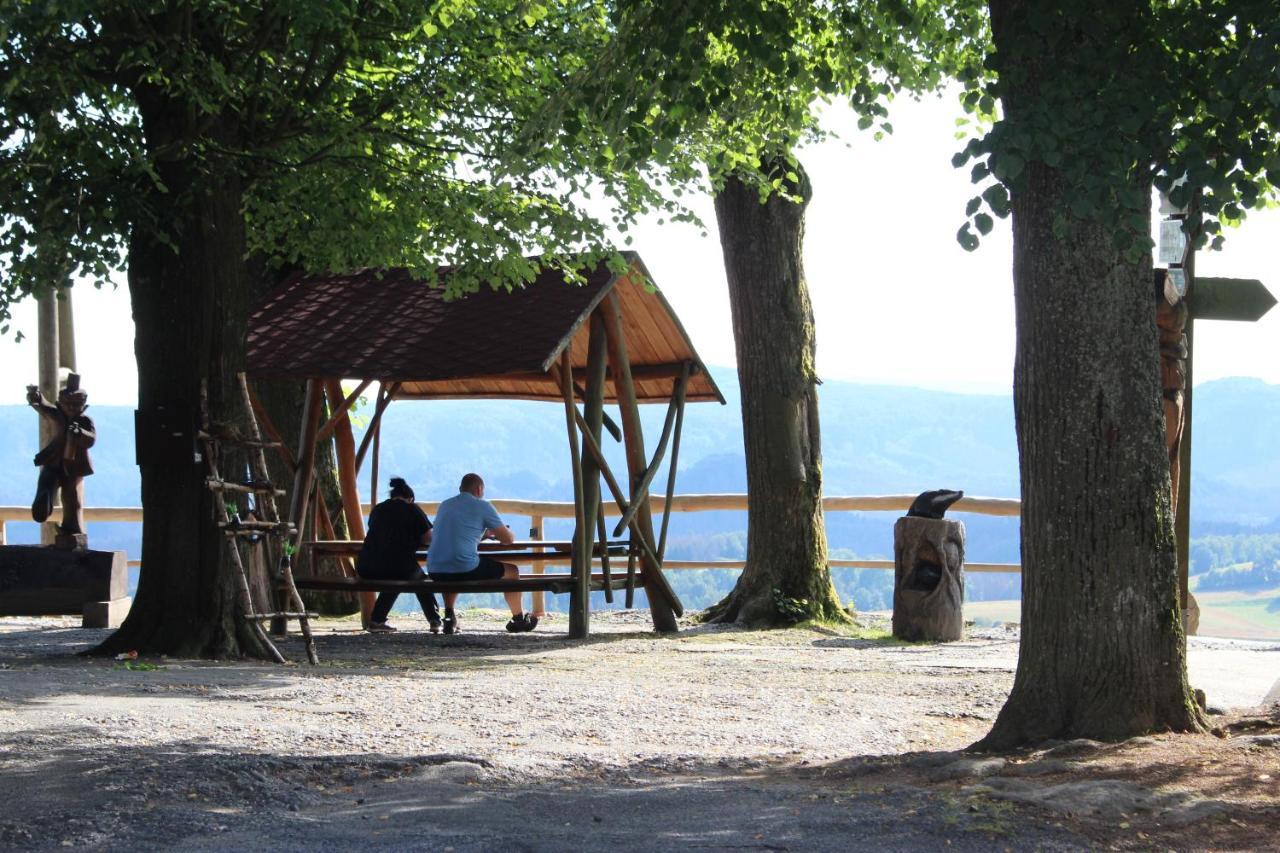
x,y
40,581
105,614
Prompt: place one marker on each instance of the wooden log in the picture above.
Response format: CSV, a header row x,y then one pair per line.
x,y
664,604
579,603
374,423
345,447
303,479
671,479
339,408
592,447
47,353
539,604
252,488
641,493
269,427
592,517
376,429
602,536
928,592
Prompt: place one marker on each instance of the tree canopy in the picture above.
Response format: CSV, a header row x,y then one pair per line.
x,y
1179,95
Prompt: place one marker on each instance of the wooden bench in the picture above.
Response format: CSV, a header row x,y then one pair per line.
x,y
524,551
555,583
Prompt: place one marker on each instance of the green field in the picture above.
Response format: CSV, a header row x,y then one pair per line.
x,y
1247,615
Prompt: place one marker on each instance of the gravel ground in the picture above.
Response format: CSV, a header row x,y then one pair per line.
x,y
713,738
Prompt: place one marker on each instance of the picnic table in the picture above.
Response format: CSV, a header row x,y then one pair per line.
x,y
519,551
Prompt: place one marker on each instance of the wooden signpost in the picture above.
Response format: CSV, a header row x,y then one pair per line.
x,y
1207,298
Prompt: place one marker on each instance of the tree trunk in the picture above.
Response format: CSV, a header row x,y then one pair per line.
x,y
1103,653
786,579
188,283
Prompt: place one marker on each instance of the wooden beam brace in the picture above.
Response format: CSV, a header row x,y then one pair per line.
x,y
641,492
664,604
581,555
269,427
340,407
671,482
593,449
375,421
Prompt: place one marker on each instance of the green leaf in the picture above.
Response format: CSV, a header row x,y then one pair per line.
x,y
983,223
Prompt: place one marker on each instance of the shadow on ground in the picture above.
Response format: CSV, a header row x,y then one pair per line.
x,y
189,797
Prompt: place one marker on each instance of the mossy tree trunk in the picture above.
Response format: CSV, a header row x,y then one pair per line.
x,y
188,284
1103,653
786,579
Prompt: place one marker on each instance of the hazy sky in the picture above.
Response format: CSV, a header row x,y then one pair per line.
x,y
891,287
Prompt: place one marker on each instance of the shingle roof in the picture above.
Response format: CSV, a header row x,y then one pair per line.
x,y
389,326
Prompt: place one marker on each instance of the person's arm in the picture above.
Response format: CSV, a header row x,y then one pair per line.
x,y
42,406
496,528
425,525
81,433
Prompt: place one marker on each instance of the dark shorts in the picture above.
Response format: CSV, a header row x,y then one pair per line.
x,y
489,569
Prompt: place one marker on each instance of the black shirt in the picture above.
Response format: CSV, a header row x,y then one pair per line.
x,y
392,541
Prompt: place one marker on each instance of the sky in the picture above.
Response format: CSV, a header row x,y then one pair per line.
x,y
891,288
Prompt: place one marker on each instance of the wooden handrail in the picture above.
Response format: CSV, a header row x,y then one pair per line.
x,y
1006,507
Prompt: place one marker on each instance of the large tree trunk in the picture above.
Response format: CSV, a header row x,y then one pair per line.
x,y
786,579
188,283
1102,654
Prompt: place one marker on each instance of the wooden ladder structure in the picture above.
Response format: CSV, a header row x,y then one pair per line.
x,y
267,523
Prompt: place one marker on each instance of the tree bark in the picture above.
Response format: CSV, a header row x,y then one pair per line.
x,y
188,283
1103,654
786,579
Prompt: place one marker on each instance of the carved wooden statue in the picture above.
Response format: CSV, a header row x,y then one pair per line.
x,y
928,553
64,461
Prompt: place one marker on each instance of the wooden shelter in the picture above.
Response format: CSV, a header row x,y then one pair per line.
x,y
612,338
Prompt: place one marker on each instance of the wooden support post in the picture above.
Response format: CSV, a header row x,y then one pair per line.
x,y
664,605
641,491
303,478
593,415
340,407
47,352
66,329
373,467
603,537
671,472
581,558
374,423
269,427
539,603
345,446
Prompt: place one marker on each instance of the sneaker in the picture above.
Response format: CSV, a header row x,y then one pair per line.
x,y
523,622
380,628
433,624
450,623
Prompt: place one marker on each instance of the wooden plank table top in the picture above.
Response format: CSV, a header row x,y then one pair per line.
x,y
520,550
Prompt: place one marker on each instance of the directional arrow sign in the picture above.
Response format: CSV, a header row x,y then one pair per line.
x,y
1244,299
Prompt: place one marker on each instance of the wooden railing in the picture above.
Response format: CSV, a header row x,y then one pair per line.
x,y
538,511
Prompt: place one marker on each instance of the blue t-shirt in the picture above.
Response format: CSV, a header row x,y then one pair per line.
x,y
460,522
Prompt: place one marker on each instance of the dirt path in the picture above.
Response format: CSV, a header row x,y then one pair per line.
x,y
716,738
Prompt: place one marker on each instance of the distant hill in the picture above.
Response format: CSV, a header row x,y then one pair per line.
x,y
877,439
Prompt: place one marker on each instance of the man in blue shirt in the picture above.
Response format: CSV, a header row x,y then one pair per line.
x,y
461,522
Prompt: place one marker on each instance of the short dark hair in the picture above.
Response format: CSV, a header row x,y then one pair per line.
x,y
469,482
400,489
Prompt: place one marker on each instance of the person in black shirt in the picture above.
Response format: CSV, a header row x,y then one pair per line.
x,y
397,529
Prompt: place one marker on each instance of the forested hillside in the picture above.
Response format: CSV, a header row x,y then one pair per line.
x,y
877,440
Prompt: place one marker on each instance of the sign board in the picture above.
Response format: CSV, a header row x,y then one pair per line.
x,y
1244,299
1173,242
